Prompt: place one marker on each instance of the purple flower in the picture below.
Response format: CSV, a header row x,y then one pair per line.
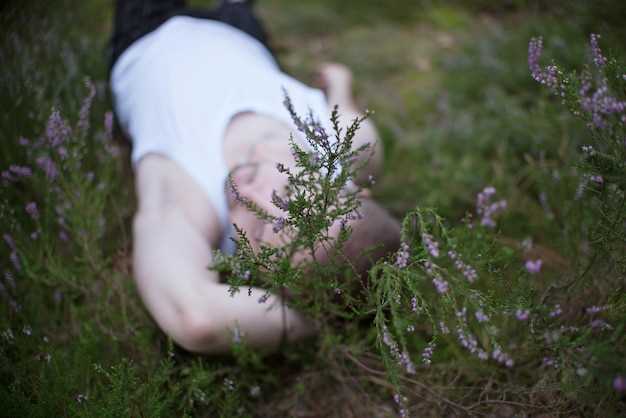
x,y
547,76
57,130
619,384
20,171
598,59
31,209
279,225
522,314
83,115
481,316
441,285
9,241
557,311
401,403
403,358
600,324
427,353
533,267
501,357
549,362
599,104
595,309
486,209
23,141
468,271
15,260
597,179
279,202
48,167
467,340
402,256
431,245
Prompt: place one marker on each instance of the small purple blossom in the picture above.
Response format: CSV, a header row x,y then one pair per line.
x,y
557,311
401,403
599,104
501,357
85,109
486,209
402,256
427,353
597,179
601,325
592,310
431,245
279,202
596,53
481,316
522,314
619,384
468,271
441,285
413,304
21,171
31,209
8,239
23,141
57,129
548,76
549,362
533,266
403,358
48,167
279,225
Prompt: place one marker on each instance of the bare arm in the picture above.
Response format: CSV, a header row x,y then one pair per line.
x,y
172,231
337,81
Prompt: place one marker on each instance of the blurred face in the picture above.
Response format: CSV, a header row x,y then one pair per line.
x,y
376,232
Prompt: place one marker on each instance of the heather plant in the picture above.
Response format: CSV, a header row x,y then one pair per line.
x,y
319,194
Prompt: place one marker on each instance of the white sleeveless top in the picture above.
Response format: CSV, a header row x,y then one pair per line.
x,y
176,89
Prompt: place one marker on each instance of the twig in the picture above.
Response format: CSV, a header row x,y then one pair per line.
x,y
406,379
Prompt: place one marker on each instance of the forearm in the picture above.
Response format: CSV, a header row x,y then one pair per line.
x,y
171,269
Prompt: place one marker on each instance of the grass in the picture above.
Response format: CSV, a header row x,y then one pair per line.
x,y
457,110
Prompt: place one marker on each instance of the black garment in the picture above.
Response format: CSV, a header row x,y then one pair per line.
x,y
135,18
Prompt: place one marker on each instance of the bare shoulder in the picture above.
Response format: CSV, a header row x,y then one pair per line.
x,y
164,189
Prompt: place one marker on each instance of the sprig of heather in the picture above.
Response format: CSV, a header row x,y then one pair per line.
x,y
318,195
596,95
63,204
486,209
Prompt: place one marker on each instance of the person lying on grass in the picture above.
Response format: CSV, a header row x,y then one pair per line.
x,y
200,96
